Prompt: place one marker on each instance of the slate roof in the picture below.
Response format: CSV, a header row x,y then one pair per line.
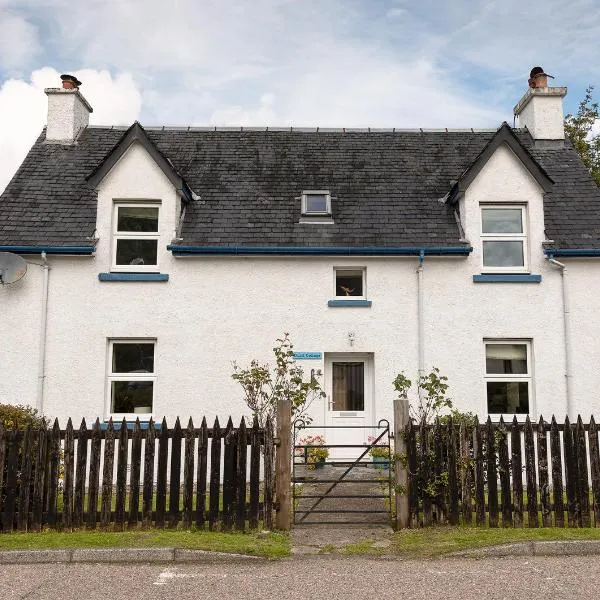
x,y
386,187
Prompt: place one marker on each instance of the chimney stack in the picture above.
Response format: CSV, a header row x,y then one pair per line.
x,y
540,109
68,111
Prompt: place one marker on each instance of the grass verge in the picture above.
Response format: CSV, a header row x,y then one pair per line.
x,y
436,541
269,545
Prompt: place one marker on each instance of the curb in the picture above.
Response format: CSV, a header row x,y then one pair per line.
x,y
551,548
118,555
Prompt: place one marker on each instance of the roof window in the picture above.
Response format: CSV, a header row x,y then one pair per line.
x,y
316,202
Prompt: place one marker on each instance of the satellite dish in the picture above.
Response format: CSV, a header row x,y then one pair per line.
x,y
12,268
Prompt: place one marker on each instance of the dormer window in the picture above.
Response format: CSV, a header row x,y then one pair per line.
x,y
316,202
135,236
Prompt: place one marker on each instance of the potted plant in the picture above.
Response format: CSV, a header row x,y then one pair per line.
x,y
312,448
380,453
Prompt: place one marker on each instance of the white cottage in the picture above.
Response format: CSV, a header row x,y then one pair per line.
x,y
157,256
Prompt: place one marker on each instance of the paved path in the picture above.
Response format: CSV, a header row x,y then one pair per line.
x,y
312,578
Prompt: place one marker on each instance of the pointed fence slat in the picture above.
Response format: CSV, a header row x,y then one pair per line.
x,y
201,475
268,475
53,469
424,473
148,491
12,468
453,515
94,477
466,478
215,476
107,475
228,476
532,505
517,472
25,480
504,472
479,474
121,476
583,486
492,476
570,474
557,477
413,483
175,483
254,473
161,474
188,475
440,442
69,472
80,475
134,475
544,484
3,442
240,496
594,469
38,478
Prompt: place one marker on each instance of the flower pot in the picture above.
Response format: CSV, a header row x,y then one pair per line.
x,y
320,463
381,463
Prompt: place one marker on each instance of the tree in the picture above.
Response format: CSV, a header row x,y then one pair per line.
x,y
264,385
579,129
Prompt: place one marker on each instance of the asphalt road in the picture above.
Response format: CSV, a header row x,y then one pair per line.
x,y
313,578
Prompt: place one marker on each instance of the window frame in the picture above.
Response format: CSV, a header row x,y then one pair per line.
x,y
307,213
134,235
509,377
505,237
110,377
363,270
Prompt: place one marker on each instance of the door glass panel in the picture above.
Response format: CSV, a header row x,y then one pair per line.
x,y
348,391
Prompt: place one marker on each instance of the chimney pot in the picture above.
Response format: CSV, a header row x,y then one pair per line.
x,y
70,82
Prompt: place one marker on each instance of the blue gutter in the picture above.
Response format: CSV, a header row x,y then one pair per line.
x,y
48,249
575,252
320,250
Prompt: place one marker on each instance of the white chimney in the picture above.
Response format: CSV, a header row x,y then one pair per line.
x,y
540,109
68,111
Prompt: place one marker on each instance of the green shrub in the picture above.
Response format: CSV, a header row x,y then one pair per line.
x,y
19,416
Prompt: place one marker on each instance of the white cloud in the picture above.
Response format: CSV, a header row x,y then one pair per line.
x,y
23,108
18,40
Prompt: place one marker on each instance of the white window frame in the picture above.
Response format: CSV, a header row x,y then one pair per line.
x,y
526,377
325,193
506,237
110,377
133,235
364,283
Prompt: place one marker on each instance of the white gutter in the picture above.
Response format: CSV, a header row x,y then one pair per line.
x,y
567,333
420,319
43,323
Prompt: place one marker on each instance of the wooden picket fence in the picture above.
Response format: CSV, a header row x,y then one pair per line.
x,y
211,477
510,474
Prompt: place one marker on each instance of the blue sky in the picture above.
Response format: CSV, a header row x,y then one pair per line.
x,y
353,63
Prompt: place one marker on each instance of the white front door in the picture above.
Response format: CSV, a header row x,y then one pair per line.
x,y
349,406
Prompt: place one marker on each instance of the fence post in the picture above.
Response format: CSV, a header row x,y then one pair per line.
x,y
401,419
283,465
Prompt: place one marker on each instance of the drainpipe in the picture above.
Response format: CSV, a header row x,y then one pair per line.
x,y
567,330
420,319
44,320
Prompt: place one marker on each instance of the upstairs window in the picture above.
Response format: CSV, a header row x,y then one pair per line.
x,y
316,202
508,377
135,233
131,376
504,238
350,283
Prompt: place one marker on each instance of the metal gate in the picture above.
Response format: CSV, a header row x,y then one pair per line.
x,y
335,488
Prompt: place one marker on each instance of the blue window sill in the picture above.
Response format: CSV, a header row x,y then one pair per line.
x,y
133,276
335,303
506,278
130,425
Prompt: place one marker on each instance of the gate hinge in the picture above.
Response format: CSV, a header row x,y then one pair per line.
x,y
276,442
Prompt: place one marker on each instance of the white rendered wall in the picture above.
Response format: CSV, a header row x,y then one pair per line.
x,y
215,310
543,116
67,114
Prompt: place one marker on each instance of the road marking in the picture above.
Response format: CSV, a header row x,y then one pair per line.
x,y
170,574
